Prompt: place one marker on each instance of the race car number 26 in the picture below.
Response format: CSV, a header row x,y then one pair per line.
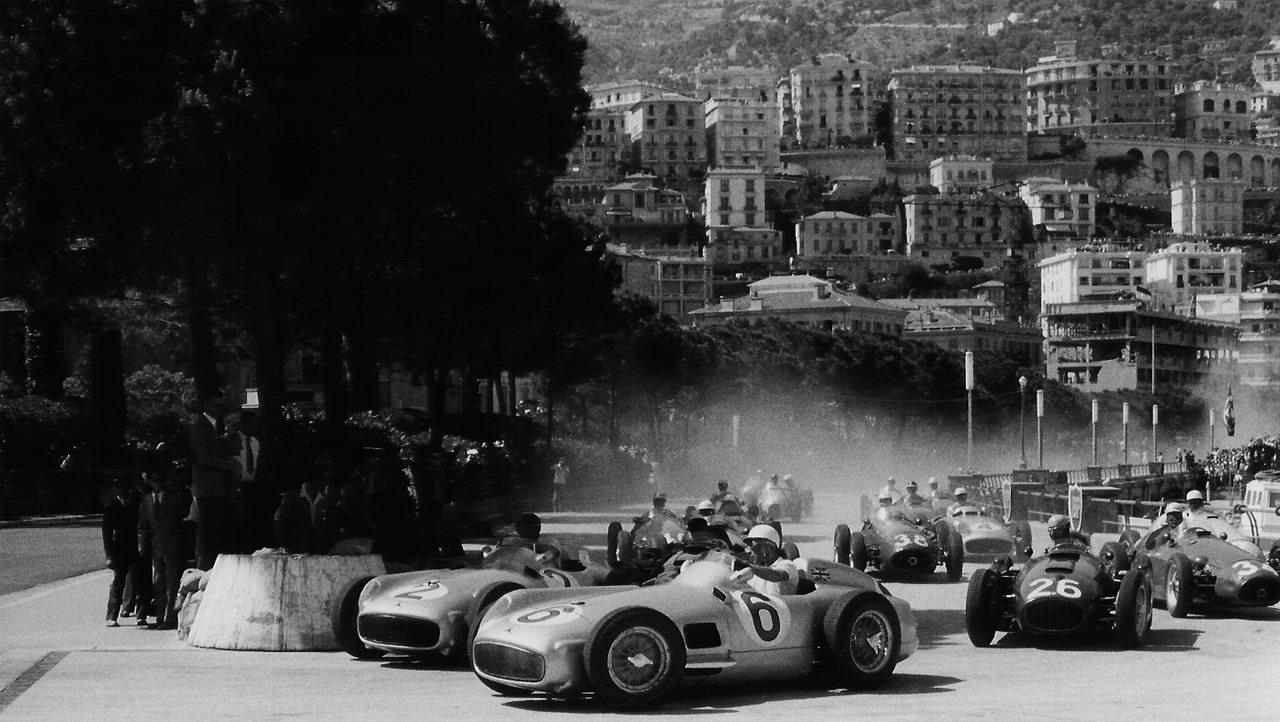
x,y
767,619
1047,587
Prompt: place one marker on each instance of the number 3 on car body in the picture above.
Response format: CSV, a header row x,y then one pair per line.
x,y
766,619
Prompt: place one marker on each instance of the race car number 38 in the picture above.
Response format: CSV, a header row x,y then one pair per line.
x,y
766,619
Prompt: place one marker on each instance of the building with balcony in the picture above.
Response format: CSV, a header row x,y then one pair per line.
x,y
1096,272
621,95
939,229
742,132
642,215
1257,311
1207,207
1065,210
805,300
1266,67
831,101
958,109
757,84
738,227
595,159
968,325
961,174
1117,345
1116,96
835,233
667,136
677,282
1205,110
1182,271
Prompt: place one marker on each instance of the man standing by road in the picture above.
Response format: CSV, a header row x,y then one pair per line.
x,y
160,534
559,484
120,542
212,474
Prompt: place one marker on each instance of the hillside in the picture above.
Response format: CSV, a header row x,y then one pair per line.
x,y
668,39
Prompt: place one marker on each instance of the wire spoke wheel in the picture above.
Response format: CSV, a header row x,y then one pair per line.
x,y
639,659
869,641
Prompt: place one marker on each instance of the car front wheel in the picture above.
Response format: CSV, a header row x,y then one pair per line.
x,y
864,635
1133,609
1179,586
635,657
344,622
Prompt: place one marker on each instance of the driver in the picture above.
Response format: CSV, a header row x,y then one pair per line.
x,y
660,507
788,482
962,499
706,508
1196,510
912,498
886,503
890,489
1061,534
722,490
1169,532
773,574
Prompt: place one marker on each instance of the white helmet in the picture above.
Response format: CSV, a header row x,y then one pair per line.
x,y
1195,494
706,505
961,491
764,531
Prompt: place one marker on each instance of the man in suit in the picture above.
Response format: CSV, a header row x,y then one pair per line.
x,y
120,542
213,473
160,536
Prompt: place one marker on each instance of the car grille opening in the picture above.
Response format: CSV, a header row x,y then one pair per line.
x,y
988,546
703,635
1263,591
915,560
1052,616
394,630
499,660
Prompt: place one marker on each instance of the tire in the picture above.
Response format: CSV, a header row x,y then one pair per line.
x,y
1119,557
840,545
1021,531
626,548
979,613
864,636
858,551
955,558
344,622
1179,586
611,543
621,636
1133,609
480,604
1130,538
790,551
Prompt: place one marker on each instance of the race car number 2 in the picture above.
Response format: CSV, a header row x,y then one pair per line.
x,y
1047,587
550,615
427,590
765,618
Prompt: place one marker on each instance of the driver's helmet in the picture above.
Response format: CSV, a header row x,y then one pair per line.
x,y
1173,513
912,486
961,491
706,508
764,531
1059,527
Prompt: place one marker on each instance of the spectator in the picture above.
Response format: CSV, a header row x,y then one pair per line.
x,y
213,468
120,542
559,485
160,534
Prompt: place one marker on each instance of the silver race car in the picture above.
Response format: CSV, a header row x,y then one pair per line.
x,y
987,538
633,646
430,612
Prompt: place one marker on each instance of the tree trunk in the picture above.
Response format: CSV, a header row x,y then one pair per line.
x,y
336,397
46,361
204,357
107,400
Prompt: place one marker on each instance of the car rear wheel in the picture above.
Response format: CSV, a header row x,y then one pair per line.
x,y
1179,586
955,557
858,551
344,622
611,540
943,531
635,657
863,633
1133,609
979,609
840,544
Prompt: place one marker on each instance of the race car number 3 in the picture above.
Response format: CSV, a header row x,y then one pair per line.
x,y
905,539
766,619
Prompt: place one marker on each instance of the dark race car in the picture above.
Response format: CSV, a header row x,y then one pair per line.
x,y
901,540
1067,591
1194,565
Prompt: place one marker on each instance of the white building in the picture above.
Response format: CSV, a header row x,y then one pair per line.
x,y
1179,273
742,132
832,100
1063,209
961,174
1207,207
738,228
828,233
621,95
1092,273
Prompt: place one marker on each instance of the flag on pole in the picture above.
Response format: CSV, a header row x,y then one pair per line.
x,y
1229,414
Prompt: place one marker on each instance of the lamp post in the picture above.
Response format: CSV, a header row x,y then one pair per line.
x,y
1211,423
1155,425
1040,428
968,387
1022,421
1124,423
1094,424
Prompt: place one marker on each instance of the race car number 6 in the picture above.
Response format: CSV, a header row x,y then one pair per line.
x,y
764,617
1045,587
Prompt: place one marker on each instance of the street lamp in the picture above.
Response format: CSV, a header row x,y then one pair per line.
x,y
1040,428
1022,421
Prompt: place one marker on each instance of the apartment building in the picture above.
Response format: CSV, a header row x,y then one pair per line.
x,y
1182,271
677,282
742,132
1207,207
958,109
1266,67
1066,93
1094,272
829,233
1257,311
831,100
961,174
737,81
942,228
738,229
603,145
1210,111
1062,209
622,94
667,136
641,214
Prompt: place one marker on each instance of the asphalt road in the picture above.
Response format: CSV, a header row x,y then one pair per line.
x,y
35,554
57,662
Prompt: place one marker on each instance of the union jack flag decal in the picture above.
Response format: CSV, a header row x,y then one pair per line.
x,y
820,574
